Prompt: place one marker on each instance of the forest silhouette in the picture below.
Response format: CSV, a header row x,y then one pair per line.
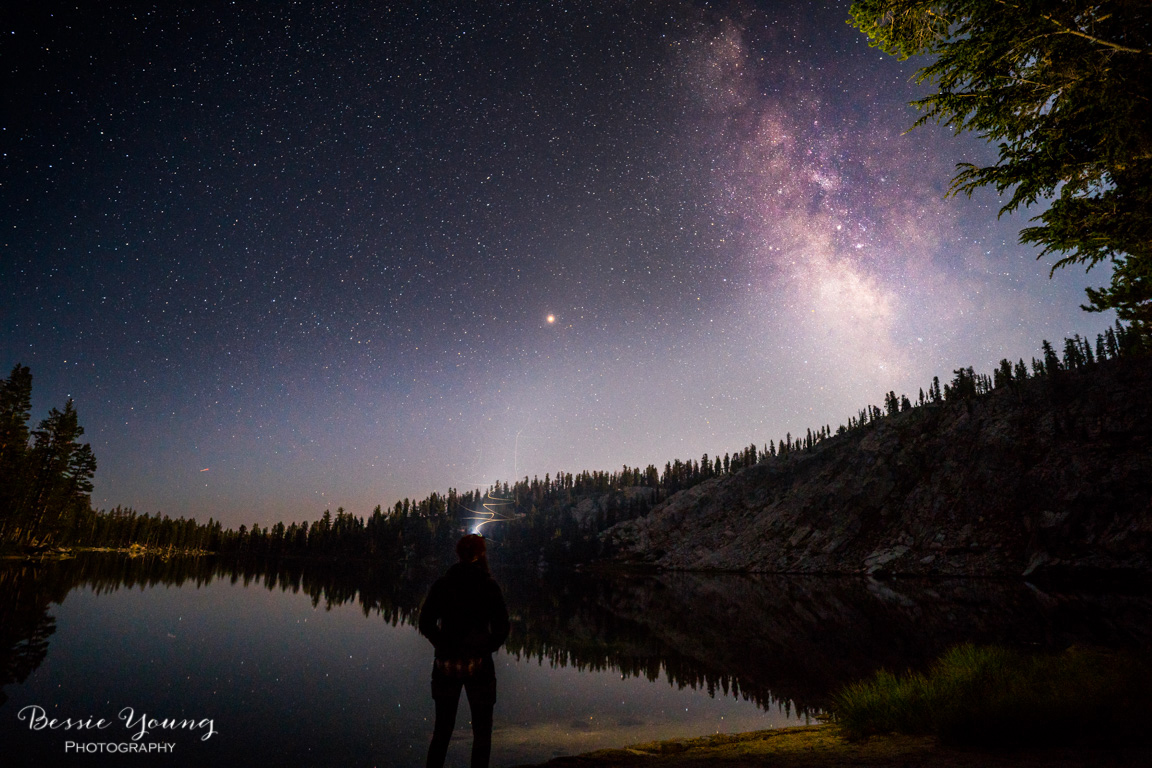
x,y
46,481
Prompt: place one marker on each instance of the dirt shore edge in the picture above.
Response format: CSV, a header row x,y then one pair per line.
x,y
817,746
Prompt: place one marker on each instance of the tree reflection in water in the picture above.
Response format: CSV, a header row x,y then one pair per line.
x,y
25,625
777,640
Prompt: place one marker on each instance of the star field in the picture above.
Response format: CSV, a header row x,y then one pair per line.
x,y
314,248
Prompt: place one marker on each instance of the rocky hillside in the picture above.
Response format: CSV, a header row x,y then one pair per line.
x,y
1048,475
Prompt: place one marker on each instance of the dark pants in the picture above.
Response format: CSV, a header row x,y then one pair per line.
x,y
481,691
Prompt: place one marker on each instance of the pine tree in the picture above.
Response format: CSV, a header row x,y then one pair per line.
x,y
1002,376
1062,88
58,476
1051,362
15,410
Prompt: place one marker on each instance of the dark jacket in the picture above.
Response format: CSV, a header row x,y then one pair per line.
x,y
464,614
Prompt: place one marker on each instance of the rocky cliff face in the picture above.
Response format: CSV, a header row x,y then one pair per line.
x,y
1044,476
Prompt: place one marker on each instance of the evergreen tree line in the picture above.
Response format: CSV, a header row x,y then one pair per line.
x,y
548,527
45,482
1116,342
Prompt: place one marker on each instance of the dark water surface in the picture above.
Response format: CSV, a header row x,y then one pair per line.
x,y
308,665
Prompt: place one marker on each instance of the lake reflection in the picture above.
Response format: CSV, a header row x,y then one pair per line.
x,y
302,667
322,665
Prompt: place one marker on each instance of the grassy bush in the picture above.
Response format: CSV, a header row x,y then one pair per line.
x,y
991,696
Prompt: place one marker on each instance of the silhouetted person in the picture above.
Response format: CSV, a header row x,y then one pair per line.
x,y
465,618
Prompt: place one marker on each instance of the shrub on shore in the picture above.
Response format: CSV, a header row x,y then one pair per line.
x,y
993,696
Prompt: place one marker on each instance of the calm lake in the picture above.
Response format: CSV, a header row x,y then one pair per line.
x,y
310,665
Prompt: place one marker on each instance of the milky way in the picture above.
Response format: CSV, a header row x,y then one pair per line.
x,y
314,249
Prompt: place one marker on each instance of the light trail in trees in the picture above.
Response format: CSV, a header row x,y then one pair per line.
x,y
491,505
491,513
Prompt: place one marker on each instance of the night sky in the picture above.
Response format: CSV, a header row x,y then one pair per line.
x,y
294,256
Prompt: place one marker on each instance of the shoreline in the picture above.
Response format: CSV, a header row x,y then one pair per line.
x,y
822,746
68,553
